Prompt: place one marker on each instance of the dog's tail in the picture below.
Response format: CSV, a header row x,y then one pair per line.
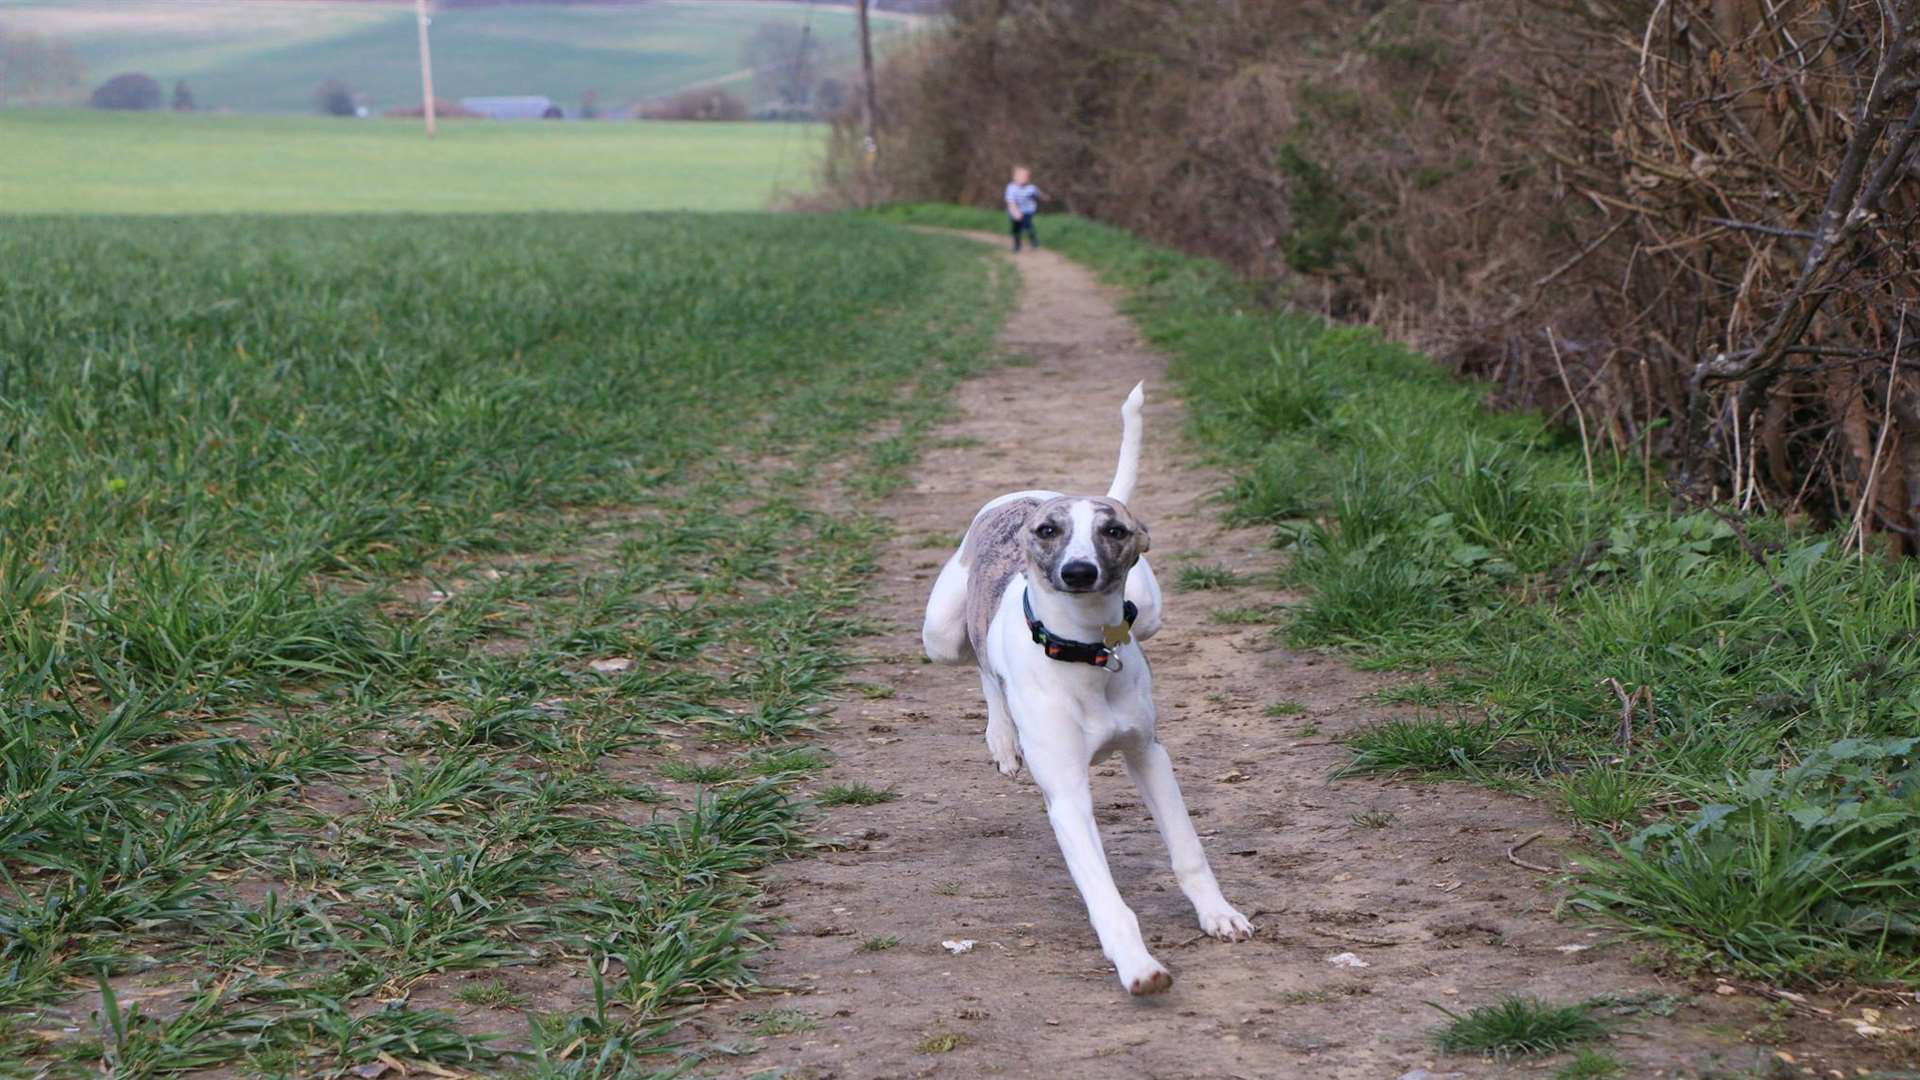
x,y
1130,438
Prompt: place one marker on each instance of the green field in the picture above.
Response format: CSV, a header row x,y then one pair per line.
x,y
268,55
403,646
93,162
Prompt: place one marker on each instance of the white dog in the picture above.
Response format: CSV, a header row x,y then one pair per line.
x,y
1048,593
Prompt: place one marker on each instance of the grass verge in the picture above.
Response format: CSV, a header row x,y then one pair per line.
x,y
363,582
1731,698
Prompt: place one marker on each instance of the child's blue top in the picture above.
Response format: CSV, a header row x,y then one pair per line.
x,y
1024,196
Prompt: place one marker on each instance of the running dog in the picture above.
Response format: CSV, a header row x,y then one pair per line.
x,y
1050,596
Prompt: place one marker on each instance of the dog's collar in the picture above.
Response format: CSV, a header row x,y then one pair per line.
x,y
1068,651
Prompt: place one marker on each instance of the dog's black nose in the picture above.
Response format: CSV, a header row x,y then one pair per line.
x,y
1079,574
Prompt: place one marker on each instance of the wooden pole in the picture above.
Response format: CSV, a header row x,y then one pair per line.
x,y
866,78
426,65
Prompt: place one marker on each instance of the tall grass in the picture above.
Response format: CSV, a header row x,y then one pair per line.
x,y
1429,532
310,532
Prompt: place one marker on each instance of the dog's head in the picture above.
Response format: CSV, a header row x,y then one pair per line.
x,y
1082,544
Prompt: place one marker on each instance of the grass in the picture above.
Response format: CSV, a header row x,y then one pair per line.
x,y
310,529
781,1022
855,794
1195,578
1590,1065
1516,1026
491,994
203,164
235,55
880,944
1771,767
940,1042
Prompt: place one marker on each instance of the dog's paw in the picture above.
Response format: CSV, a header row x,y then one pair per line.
x,y
1006,752
1153,979
1226,924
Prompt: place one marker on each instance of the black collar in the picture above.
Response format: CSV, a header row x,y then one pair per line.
x,y
1068,651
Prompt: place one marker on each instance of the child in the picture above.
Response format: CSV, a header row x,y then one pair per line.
x,y
1022,200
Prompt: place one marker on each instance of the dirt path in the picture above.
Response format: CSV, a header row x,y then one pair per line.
x,y
1425,898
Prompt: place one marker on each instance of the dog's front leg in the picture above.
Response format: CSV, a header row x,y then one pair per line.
x,y
1059,767
1152,772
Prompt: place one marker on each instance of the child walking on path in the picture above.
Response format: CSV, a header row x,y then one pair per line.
x,y
1023,199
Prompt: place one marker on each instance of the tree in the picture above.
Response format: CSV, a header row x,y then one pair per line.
x,y
785,58
38,70
589,104
131,90
182,97
334,98
830,96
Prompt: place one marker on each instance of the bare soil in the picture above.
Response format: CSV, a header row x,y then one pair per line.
x,y
1411,878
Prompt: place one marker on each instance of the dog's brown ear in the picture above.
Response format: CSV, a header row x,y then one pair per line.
x,y
1146,541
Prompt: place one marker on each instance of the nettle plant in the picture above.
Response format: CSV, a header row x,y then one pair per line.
x,y
1801,871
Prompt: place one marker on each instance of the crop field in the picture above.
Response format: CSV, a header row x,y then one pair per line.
x,y
403,652
268,55
146,163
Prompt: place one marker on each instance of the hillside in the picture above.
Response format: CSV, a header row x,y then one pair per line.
x,y
268,55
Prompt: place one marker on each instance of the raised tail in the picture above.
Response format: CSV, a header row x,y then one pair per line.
x,y
1130,436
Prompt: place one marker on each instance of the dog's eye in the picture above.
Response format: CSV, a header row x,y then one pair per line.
x,y
1116,532
1047,531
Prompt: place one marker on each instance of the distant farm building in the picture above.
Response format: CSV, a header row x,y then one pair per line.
x,y
530,107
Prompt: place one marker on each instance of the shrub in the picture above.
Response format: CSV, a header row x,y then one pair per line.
x,y
182,97
1706,240
695,104
132,91
334,98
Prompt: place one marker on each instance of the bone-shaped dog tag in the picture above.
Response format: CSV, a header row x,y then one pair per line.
x,y
1116,635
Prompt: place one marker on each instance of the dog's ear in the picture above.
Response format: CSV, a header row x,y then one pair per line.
x,y
1146,540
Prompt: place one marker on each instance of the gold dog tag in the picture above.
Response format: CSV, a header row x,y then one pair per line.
x,y
1116,635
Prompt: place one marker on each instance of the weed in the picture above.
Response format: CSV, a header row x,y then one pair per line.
x,y
1372,819
491,994
1517,1025
1284,708
1590,1065
780,1022
854,795
941,1042
880,944
1214,576
790,763
1606,794
1427,745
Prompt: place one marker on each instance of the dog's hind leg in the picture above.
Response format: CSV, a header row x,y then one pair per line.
x,y
1002,741
944,633
1144,590
1059,766
1152,772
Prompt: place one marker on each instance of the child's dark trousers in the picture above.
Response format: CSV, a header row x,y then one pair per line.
x,y
1023,223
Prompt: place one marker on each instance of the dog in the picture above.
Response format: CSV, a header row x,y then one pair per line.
x,y
1051,596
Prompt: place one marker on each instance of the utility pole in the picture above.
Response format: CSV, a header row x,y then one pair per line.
x,y
426,65
866,77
